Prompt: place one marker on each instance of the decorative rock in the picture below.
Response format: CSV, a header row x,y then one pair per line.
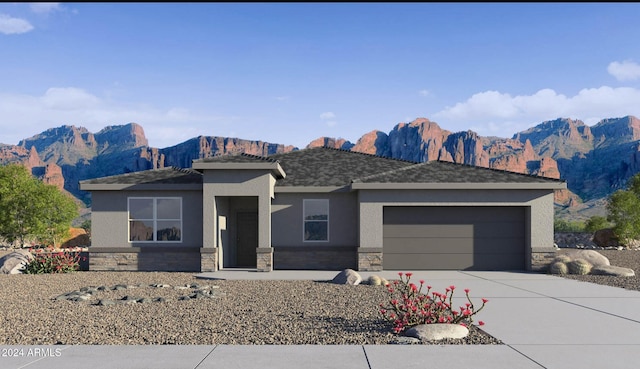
x,y
347,276
605,238
593,257
119,287
14,262
613,270
402,340
106,302
159,299
435,332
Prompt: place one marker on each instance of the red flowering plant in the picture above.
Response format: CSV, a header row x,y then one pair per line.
x,y
49,260
409,306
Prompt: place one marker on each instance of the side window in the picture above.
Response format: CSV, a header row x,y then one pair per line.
x,y
155,219
316,219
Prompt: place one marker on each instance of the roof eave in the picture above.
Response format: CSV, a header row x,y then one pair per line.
x,y
274,167
140,186
459,186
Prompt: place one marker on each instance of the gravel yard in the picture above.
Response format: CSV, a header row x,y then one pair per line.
x,y
245,312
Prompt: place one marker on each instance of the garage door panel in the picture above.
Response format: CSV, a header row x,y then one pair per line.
x,y
451,262
487,230
453,245
452,214
458,238
427,230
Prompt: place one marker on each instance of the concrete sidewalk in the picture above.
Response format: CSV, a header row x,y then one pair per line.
x,y
544,322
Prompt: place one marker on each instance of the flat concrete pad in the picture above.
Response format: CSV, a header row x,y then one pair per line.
x,y
628,308
583,356
447,356
560,287
551,321
108,357
286,357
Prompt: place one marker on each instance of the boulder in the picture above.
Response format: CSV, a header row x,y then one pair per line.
x,y
439,331
593,257
374,280
14,262
347,276
612,270
605,238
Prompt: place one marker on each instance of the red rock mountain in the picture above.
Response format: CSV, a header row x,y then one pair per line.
x,y
595,161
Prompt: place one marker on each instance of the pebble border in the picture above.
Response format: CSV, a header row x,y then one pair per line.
x,y
194,291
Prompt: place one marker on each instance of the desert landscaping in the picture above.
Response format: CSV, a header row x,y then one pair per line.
x,y
177,308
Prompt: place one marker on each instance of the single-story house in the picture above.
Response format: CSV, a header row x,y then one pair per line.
x,y
321,208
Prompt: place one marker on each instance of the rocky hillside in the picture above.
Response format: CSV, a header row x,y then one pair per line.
x,y
595,161
65,155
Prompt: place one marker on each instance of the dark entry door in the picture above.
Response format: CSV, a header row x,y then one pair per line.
x,y
247,239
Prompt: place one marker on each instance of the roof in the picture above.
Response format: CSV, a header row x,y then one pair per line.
x,y
447,172
323,166
162,176
329,167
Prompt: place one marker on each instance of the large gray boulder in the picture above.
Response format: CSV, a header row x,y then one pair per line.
x,y
14,262
612,270
593,257
347,276
436,332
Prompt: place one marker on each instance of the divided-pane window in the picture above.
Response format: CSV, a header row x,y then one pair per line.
x,y
155,219
316,220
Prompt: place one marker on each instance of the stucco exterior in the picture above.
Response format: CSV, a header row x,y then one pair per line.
x,y
234,202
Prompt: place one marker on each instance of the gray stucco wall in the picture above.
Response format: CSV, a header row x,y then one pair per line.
x,y
287,222
539,214
110,218
220,183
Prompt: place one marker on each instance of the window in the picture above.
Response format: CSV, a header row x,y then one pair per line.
x,y
316,220
155,219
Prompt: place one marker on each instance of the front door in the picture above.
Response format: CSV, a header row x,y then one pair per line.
x,y
247,239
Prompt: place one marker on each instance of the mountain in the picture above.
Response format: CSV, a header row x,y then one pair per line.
x,y
595,161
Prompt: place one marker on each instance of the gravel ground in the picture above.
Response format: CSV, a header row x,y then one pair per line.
x,y
622,258
247,312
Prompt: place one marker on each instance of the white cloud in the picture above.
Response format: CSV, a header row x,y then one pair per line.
x,y
424,93
10,25
27,115
495,113
625,71
44,8
282,98
327,115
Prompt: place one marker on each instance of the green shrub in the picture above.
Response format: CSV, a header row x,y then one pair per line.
x,y
561,226
596,223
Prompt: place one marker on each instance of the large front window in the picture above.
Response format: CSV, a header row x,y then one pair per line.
x,y
155,219
316,220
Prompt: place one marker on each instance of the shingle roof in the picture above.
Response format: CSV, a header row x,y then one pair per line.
x,y
169,175
323,166
236,158
446,172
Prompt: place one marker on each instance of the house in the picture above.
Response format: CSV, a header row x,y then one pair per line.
x,y
321,208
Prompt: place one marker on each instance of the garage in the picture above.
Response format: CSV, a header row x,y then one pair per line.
x,y
453,238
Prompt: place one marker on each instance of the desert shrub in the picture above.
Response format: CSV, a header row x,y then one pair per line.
x,y
596,223
49,260
409,306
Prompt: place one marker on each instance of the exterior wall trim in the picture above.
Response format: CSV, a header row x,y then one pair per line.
x,y
459,186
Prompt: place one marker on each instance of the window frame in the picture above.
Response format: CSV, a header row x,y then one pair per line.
x,y
155,218
304,221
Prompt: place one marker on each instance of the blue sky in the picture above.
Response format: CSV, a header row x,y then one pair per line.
x,y
290,73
